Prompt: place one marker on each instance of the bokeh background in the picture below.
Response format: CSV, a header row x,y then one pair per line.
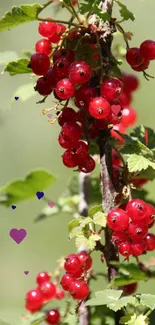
x,y
28,141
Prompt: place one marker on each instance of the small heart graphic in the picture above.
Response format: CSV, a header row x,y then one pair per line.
x,y
51,204
26,272
116,109
40,195
16,97
13,207
18,235
49,115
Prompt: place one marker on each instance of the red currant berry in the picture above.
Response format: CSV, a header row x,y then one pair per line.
x,y
125,99
68,115
137,231
53,317
139,182
93,131
119,237
48,290
43,87
151,213
47,29
42,277
51,78
81,150
134,56
129,289
69,159
79,289
80,72
137,209
43,45
61,67
147,49
131,82
150,225
118,220
84,95
55,38
87,166
150,242
111,89
63,53
129,116
72,264
85,260
40,63
66,280
64,89
65,144
125,249
138,248
60,295
99,108
78,274
34,300
71,130
142,66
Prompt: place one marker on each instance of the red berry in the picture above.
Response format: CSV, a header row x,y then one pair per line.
x,y
137,209
150,225
43,45
60,29
47,29
111,89
131,82
51,78
129,289
125,98
63,143
43,87
134,56
66,280
150,242
34,300
129,116
81,151
118,220
116,160
53,317
64,89
48,290
142,66
40,63
147,49
71,130
85,260
137,231
119,237
63,53
72,264
78,274
69,159
125,249
42,277
68,115
139,182
79,289
121,129
60,294
151,213
61,67
138,248
93,131
80,72
88,165
99,108
84,95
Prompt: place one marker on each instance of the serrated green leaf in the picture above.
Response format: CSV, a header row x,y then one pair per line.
x,y
20,15
132,270
76,232
148,300
85,221
125,13
121,281
18,67
73,224
122,302
25,92
90,242
105,297
20,190
125,318
7,56
137,320
137,163
100,219
140,133
95,209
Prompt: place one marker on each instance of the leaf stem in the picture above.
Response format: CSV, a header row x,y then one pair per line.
x,y
119,27
57,21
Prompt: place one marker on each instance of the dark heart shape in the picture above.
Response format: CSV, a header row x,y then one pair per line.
x,y
13,207
16,97
40,195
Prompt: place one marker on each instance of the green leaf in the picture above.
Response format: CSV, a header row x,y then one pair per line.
x,y
99,12
90,242
20,15
140,133
35,319
121,281
125,13
7,56
25,92
73,224
20,190
132,270
136,320
125,318
105,297
136,163
76,232
100,219
85,221
122,302
95,209
148,300
18,67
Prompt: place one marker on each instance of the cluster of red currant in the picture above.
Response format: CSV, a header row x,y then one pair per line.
x,y
75,278
45,291
130,225
139,58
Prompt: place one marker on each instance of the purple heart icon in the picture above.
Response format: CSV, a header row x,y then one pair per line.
x,y
13,207
18,235
26,272
40,195
16,97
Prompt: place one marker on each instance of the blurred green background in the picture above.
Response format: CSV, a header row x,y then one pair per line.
x,y
28,141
